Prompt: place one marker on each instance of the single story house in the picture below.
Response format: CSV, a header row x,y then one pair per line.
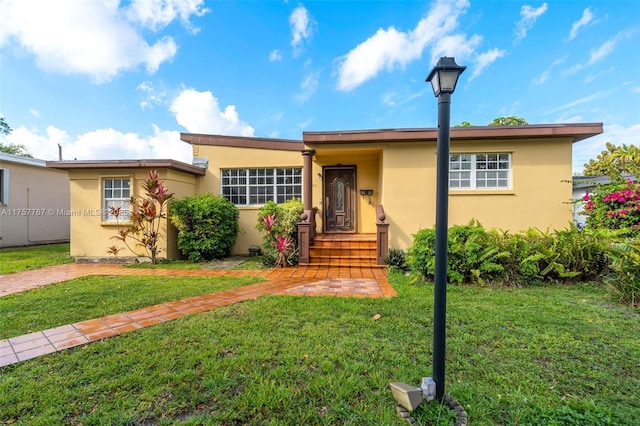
x,y
372,185
34,201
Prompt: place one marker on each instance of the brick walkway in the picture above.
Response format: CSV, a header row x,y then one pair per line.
x,y
301,281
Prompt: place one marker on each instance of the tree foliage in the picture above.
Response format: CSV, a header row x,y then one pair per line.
x,y
4,127
500,121
464,124
11,148
15,149
614,162
509,121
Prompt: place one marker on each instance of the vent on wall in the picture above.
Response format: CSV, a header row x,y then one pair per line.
x,y
200,162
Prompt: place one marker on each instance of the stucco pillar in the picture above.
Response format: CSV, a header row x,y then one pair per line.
x,y
307,178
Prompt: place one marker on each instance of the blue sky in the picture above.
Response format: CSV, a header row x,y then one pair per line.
x,y
120,79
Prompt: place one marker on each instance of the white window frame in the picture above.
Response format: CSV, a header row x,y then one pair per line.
x,y
484,171
119,196
4,187
255,186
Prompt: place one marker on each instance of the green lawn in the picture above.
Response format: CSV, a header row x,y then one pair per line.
x,y
92,297
540,356
25,258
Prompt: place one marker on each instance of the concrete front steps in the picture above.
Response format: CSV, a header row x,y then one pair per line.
x,y
343,250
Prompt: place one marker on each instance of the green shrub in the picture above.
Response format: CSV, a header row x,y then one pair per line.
x,y
625,270
473,255
207,226
584,251
280,220
533,257
395,258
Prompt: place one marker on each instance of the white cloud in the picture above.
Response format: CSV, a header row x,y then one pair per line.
x,y
456,45
151,96
544,76
35,112
93,38
102,144
157,14
528,17
395,100
586,18
199,112
301,28
308,87
601,52
581,101
275,55
594,76
485,59
390,48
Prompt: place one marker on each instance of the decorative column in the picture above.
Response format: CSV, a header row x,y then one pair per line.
x,y
307,178
306,226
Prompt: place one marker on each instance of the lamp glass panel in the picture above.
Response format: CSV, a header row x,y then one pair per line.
x,y
448,79
435,84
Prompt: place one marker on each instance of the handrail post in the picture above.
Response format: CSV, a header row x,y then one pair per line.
x,y
382,235
304,236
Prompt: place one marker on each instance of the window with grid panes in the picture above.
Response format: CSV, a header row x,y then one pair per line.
x,y
116,192
258,185
480,171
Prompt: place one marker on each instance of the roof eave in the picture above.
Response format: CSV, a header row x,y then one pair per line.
x,y
127,164
577,132
242,142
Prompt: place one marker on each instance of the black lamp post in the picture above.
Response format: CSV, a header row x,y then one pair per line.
x,y
443,78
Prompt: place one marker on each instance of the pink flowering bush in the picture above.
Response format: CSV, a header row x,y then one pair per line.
x,y
614,206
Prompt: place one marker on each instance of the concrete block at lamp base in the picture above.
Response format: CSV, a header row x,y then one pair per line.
x,y
407,396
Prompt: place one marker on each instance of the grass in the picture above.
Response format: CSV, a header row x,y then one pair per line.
x,y
252,263
167,264
25,258
541,355
92,297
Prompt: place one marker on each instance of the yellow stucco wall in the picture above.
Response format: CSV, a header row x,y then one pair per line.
x,y
89,235
221,157
541,172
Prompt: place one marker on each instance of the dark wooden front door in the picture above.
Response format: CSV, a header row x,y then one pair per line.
x,y
339,199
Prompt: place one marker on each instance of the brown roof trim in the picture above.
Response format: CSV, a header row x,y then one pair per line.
x,y
577,131
243,142
128,164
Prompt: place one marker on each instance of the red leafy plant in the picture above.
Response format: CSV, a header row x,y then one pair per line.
x,y
145,221
283,245
269,220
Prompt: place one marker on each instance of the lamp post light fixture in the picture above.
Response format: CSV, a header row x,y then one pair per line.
x,y
443,78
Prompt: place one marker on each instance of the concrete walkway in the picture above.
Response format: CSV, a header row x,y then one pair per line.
x,y
300,281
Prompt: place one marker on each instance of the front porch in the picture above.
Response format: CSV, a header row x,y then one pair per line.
x,y
346,237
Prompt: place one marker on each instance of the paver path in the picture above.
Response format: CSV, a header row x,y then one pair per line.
x,y
303,281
